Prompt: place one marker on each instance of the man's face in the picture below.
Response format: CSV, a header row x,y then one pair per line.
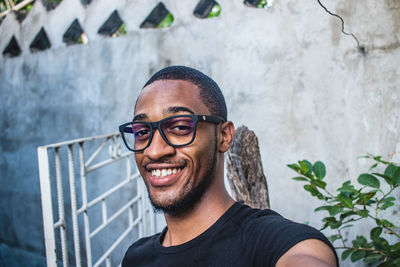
x,y
176,178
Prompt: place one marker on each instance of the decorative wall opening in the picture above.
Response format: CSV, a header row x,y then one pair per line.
x,y
12,49
159,17
75,34
258,3
51,4
86,2
41,42
207,9
114,26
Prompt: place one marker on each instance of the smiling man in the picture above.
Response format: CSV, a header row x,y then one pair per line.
x,y
179,134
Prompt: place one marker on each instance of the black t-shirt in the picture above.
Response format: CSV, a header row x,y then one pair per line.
x,y
241,237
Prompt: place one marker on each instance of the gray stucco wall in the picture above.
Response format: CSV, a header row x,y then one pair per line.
x,y
287,73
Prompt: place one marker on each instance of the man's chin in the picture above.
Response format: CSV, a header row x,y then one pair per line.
x,y
178,206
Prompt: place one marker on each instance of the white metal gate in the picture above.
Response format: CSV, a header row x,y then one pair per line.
x,y
109,196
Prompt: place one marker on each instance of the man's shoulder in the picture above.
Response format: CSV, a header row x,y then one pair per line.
x,y
275,227
141,247
252,218
267,230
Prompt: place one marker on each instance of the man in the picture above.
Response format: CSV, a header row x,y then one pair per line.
x,y
179,134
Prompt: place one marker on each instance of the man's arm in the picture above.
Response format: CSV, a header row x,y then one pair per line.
x,y
310,253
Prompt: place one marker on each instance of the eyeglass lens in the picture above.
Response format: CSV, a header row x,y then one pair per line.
x,y
177,131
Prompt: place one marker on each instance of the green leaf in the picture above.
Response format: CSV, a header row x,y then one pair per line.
x,y
386,264
294,167
319,170
320,184
397,177
346,201
395,247
373,166
387,178
390,171
386,223
334,210
397,262
333,238
375,233
357,255
381,244
393,172
347,187
305,166
373,258
360,241
300,178
312,189
331,222
388,199
346,254
367,196
368,180
347,214
386,205
362,213
323,208
379,159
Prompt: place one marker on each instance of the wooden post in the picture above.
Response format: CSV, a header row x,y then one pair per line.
x,y
245,172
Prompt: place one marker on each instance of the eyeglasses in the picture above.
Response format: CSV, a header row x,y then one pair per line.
x,y
177,131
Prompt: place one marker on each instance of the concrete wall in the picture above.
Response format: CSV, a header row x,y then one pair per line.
x,y
288,73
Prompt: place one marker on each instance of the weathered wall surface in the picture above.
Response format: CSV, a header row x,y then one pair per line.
x,y
287,73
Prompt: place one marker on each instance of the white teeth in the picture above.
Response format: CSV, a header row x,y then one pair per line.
x,y
163,172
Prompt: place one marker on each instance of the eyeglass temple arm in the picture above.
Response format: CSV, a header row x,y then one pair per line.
x,y
214,119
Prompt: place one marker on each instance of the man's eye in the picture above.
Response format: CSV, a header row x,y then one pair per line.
x,y
142,133
180,129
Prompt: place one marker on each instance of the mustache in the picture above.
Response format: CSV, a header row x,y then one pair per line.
x,y
165,161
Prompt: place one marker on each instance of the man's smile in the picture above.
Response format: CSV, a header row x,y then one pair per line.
x,y
159,173
163,174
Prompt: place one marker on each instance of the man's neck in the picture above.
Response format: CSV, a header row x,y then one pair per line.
x,y
185,227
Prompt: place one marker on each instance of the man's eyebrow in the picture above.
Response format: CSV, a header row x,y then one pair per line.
x,y
177,109
140,117
169,110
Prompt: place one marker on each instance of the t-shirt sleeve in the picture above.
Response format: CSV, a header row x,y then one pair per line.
x,y
277,235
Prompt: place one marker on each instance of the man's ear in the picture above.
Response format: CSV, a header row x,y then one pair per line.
x,y
227,133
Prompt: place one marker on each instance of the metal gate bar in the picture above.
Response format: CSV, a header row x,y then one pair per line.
x,y
144,221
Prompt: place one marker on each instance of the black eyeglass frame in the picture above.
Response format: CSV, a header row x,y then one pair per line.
x,y
157,125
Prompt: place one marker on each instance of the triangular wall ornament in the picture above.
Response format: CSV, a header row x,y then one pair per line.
x,y
111,25
75,34
207,9
51,4
12,49
41,42
159,17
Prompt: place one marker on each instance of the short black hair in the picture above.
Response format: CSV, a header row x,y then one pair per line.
x,y
210,93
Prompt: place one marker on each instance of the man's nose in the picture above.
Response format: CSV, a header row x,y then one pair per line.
x,y
158,147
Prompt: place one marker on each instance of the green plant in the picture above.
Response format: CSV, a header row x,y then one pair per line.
x,y
215,11
350,204
167,21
